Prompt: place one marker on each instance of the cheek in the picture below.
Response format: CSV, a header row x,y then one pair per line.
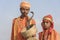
x,y
22,11
42,24
48,25
27,11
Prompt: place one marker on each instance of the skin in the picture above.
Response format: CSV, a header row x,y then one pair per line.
x,y
24,11
46,24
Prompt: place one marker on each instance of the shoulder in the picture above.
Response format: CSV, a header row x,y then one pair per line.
x,y
33,21
15,19
58,34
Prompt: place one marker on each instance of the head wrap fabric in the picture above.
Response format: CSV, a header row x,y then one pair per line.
x,y
49,18
25,4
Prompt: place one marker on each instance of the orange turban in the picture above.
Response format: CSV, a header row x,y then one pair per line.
x,y
25,4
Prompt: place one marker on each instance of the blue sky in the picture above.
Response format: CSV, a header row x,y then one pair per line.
x,y
9,9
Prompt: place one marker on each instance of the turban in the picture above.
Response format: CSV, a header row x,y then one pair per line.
x,y
25,4
48,17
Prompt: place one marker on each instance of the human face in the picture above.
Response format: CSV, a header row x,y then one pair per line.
x,y
46,24
24,10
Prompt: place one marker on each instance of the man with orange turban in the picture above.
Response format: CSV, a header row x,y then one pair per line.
x,y
21,22
48,32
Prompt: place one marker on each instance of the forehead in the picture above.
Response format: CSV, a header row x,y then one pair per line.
x,y
25,7
45,20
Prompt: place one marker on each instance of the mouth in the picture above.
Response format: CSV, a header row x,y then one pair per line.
x,y
24,14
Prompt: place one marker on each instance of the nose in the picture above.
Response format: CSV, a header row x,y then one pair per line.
x,y
25,10
45,23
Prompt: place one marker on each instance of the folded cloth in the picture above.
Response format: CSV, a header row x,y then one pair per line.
x,y
28,33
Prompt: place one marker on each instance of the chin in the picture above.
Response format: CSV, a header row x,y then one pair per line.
x,y
45,28
25,15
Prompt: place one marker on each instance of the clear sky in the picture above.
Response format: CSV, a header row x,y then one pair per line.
x,y
9,9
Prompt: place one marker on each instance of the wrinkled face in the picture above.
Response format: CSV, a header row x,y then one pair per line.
x,y
24,10
46,24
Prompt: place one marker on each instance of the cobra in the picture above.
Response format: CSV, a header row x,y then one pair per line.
x,y
28,21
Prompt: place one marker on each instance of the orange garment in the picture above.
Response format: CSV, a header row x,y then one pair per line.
x,y
18,25
53,36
